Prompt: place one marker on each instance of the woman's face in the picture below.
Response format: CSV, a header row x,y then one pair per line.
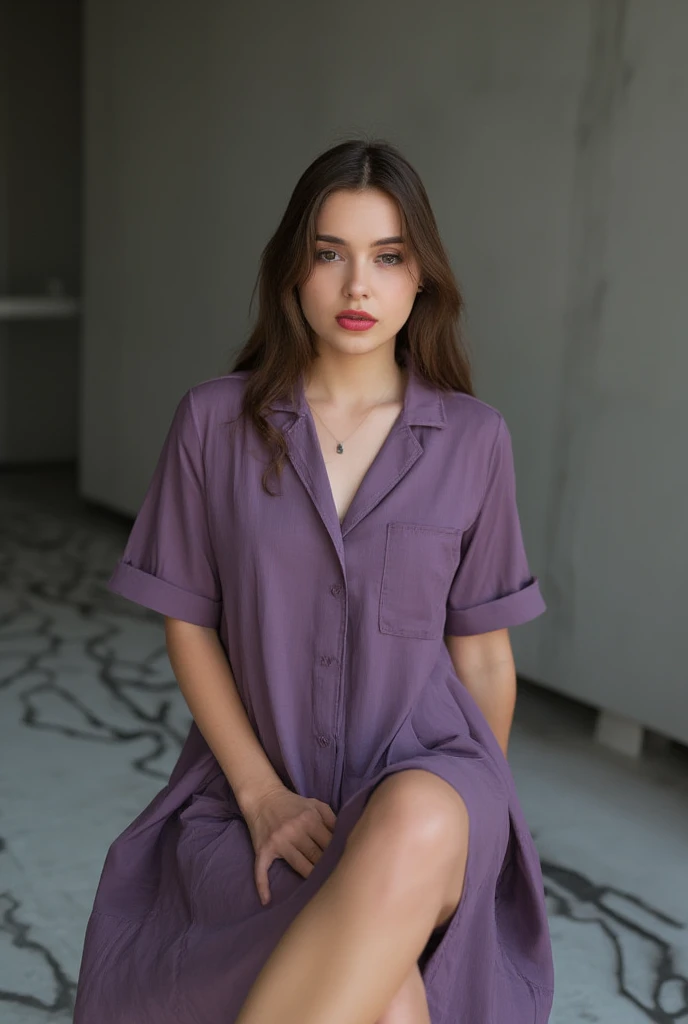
x,y
353,270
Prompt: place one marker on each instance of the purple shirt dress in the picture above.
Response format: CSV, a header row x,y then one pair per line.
x,y
334,633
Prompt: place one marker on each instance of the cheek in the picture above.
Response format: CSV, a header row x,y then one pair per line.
x,y
308,294
315,289
316,300
401,292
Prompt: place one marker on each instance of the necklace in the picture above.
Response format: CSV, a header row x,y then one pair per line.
x,y
340,447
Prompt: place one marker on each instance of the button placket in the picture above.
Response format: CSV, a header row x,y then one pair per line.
x,y
329,680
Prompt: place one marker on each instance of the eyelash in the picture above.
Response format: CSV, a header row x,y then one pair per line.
x,y
397,255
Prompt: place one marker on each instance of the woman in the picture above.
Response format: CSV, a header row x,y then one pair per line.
x,y
340,839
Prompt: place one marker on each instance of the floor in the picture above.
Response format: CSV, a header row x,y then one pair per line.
x,y
91,721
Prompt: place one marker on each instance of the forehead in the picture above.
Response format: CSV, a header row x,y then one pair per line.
x,y
362,216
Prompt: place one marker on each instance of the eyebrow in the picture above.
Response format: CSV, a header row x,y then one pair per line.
x,y
381,241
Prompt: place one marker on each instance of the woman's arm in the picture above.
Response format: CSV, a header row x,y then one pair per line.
x,y
484,663
205,678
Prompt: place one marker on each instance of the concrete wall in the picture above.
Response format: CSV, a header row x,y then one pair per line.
x,y
551,139
4,200
40,234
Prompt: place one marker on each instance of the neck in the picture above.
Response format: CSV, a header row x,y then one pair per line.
x,y
354,381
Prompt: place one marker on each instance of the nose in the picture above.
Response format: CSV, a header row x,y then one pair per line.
x,y
356,284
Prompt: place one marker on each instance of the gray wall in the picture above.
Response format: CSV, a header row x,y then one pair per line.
x,y
40,237
551,137
4,202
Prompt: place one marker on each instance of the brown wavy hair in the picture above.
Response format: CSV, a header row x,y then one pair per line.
x,y
281,345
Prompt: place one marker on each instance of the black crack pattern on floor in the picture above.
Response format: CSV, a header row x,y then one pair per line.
x,y
19,936
94,727
637,933
143,693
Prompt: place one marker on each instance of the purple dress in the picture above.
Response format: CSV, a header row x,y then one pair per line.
x,y
334,634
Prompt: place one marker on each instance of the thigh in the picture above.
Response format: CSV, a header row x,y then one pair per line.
x,y
409,1004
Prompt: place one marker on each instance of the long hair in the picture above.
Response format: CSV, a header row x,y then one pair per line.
x,y
281,345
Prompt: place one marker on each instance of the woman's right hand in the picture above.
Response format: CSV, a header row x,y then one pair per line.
x,y
284,824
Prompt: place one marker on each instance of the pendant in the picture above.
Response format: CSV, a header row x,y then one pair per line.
x,y
340,448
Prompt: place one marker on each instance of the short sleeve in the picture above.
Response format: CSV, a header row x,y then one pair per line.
x,y
493,587
168,563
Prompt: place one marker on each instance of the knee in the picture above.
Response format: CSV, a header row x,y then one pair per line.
x,y
415,811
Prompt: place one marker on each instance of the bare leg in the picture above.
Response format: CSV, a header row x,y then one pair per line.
x,y
409,1005
347,954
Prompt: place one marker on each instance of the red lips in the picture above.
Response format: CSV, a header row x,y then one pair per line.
x,y
356,313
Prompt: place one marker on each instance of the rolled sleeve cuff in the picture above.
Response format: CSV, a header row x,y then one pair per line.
x,y
163,597
511,610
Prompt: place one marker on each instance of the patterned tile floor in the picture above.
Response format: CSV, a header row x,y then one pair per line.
x,y
91,721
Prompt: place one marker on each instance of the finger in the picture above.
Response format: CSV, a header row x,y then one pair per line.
x,y
263,862
308,847
297,860
319,831
327,814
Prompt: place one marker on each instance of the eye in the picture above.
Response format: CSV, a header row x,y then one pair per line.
x,y
394,255
321,252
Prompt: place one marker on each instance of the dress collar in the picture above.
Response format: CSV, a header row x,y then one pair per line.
x,y
423,404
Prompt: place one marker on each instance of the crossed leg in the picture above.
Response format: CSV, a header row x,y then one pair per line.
x,y
409,1005
351,955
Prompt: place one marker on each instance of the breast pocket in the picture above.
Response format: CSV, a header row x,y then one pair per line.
x,y
419,566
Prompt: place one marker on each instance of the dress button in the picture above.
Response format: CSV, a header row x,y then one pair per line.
x,y
323,741
336,589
